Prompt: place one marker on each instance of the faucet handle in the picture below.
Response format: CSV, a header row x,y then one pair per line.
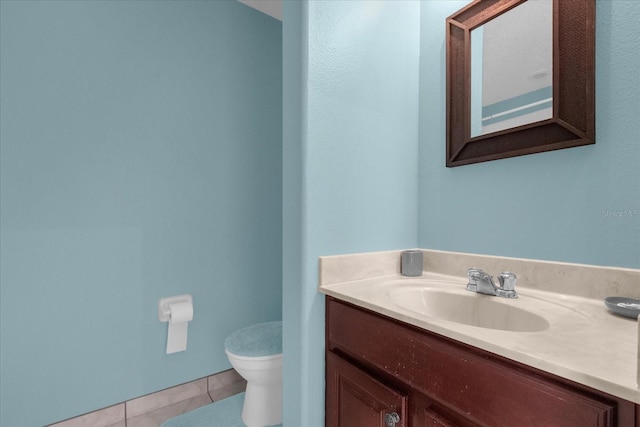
x,y
508,283
474,275
507,280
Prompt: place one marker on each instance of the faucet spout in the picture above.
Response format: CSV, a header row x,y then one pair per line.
x,y
486,284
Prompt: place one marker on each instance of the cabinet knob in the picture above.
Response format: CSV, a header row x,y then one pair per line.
x,y
390,420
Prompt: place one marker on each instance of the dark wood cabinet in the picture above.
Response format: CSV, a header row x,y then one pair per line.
x,y
377,365
359,399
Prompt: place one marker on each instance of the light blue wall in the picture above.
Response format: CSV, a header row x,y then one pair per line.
x,y
576,205
294,74
141,158
350,164
563,205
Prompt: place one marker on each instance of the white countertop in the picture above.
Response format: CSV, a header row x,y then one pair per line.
x,y
591,346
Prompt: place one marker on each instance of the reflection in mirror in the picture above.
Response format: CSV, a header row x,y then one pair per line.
x,y
511,69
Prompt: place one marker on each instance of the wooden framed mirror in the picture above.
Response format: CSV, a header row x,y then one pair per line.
x,y
568,94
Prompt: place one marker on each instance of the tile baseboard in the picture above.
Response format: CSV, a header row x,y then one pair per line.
x,y
153,409
158,416
106,417
225,384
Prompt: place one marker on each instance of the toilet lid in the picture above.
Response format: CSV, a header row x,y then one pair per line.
x,y
262,339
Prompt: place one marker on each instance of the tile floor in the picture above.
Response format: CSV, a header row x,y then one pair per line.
x,y
154,409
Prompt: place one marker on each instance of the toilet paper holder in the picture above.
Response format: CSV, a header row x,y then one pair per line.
x,y
164,311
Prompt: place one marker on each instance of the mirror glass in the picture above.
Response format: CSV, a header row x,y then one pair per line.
x,y
512,69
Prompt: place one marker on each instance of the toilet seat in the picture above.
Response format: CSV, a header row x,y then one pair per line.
x,y
259,340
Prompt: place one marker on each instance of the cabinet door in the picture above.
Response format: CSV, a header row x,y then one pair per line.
x,y
355,399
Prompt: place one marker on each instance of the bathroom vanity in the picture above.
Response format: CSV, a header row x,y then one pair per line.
x,y
389,364
377,366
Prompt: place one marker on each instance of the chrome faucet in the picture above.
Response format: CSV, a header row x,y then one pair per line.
x,y
483,283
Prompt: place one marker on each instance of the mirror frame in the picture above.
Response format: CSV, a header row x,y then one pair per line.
x,y
573,121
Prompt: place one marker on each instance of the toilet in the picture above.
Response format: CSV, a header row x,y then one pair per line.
x,y
255,352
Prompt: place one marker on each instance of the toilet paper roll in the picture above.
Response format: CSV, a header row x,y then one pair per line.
x,y
180,314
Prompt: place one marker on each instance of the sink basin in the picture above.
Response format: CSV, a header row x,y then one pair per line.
x,y
482,311
470,309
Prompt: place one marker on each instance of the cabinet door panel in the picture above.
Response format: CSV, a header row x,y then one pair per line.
x,y
355,399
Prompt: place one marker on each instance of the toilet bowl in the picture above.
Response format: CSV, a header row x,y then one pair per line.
x,y
255,352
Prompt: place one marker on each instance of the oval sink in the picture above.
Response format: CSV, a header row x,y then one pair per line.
x,y
469,308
